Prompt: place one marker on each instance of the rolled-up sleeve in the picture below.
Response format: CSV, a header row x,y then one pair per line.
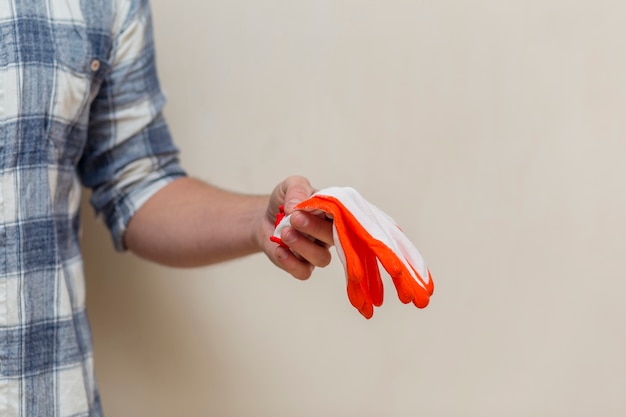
x,y
129,154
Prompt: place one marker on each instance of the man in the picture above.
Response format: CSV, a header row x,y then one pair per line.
x,y
80,103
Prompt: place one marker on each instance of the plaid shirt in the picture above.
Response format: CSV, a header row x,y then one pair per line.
x,y
79,103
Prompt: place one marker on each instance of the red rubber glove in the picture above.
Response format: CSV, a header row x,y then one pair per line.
x,y
365,238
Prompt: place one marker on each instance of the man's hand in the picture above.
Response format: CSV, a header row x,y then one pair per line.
x,y
190,223
308,240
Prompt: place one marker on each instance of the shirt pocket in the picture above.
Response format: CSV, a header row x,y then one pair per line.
x,y
78,71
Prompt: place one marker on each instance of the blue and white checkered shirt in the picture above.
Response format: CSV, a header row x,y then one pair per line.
x,y
79,103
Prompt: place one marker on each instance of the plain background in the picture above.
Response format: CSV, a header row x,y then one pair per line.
x,y
493,131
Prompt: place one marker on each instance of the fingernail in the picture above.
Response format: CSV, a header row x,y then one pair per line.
x,y
281,253
289,236
299,220
289,205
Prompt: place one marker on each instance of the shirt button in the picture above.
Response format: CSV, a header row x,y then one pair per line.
x,y
95,65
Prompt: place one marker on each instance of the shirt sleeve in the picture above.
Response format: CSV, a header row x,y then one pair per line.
x,y
129,154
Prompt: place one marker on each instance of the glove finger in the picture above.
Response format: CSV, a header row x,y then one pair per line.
x,y
372,278
359,298
366,269
428,282
349,252
357,270
411,258
421,295
374,281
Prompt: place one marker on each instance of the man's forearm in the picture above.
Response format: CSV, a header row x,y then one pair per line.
x,y
190,223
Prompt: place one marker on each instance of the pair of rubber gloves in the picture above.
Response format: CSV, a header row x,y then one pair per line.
x,y
365,238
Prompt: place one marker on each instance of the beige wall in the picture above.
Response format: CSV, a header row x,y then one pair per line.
x,y
493,131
